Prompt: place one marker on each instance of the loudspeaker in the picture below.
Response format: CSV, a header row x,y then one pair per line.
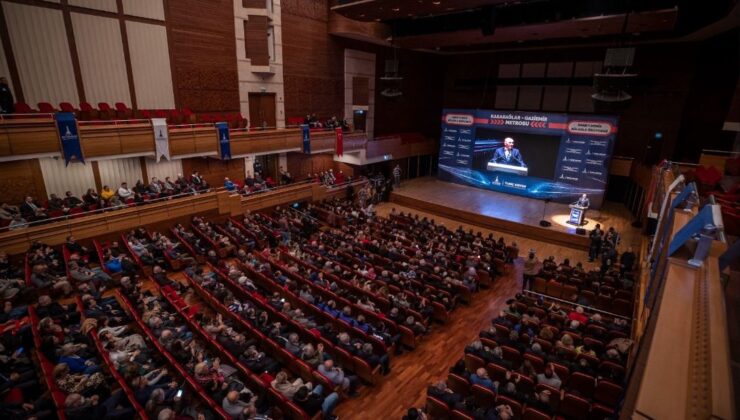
x,y
580,231
545,223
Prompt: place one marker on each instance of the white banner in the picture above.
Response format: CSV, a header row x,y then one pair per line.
x,y
161,138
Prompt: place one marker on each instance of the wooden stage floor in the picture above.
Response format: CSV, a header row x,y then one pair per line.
x,y
506,213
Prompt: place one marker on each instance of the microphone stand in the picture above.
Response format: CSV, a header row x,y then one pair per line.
x,y
543,222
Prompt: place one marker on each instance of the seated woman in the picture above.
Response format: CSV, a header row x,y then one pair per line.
x,y
79,383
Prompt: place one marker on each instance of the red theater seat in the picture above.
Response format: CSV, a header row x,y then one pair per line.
x,y
67,107
532,414
608,393
437,409
516,406
46,107
574,407
122,111
23,108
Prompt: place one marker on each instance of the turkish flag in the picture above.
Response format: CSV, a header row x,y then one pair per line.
x,y
340,141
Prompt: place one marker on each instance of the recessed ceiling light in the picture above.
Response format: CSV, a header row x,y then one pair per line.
x,y
436,3
396,9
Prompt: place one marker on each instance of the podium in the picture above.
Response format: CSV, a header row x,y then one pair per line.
x,y
512,169
577,215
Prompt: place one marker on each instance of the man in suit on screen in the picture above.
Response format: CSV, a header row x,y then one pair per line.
x,y
508,155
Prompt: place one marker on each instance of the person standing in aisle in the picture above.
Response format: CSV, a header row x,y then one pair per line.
x,y
397,176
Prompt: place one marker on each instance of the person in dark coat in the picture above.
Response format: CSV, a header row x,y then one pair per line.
x,y
6,97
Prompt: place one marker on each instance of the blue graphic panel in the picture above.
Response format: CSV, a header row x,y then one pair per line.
x,y
538,155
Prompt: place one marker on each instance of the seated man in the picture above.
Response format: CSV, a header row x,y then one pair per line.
x,y
336,375
124,192
71,201
57,204
480,377
98,277
31,210
229,185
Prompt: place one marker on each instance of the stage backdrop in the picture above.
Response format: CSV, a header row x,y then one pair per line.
x,y
553,156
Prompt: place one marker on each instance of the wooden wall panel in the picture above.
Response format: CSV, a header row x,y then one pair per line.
x,y
203,51
182,145
27,137
137,140
262,142
313,71
214,170
255,40
300,165
19,179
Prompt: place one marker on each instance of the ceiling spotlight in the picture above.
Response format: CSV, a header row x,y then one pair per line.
x,y
396,9
436,3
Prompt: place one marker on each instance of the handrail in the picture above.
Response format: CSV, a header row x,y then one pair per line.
x,y
106,209
9,117
192,125
567,302
275,188
721,152
114,122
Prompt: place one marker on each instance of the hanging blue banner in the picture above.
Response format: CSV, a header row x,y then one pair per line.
x,y
224,140
69,137
306,138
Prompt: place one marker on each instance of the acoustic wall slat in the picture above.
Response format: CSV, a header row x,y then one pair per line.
x,y
150,63
41,53
163,169
106,5
102,63
153,9
58,179
115,171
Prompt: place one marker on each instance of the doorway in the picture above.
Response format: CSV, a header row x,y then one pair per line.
x,y
358,119
262,110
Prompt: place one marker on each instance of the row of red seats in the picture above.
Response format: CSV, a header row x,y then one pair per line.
x,y
47,368
327,295
348,362
120,111
125,387
257,382
620,304
571,406
196,387
319,316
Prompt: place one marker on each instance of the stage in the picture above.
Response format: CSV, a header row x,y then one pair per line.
x,y
506,213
